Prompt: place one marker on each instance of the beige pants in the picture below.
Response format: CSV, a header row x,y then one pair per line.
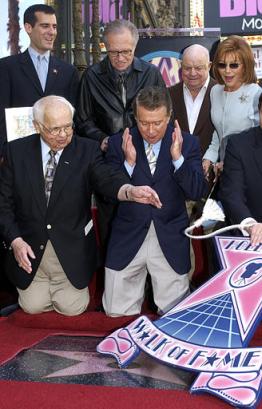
x,y
124,289
51,289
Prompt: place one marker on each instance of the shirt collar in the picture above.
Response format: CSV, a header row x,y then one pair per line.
x,y
155,145
45,150
34,54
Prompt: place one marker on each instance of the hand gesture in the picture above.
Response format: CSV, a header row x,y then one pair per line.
x,y
255,232
22,252
177,141
144,194
104,144
128,148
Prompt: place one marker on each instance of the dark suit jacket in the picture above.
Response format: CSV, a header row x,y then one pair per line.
x,y
241,179
132,220
20,86
23,210
204,127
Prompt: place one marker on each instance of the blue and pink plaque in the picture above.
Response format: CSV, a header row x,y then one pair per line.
x,y
209,331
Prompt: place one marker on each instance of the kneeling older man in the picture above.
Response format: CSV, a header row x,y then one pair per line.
x,y
145,238
45,209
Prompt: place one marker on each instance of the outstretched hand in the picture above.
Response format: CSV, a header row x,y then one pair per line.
x,y
144,194
177,142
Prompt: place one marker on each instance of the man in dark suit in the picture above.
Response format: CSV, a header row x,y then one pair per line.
x,y
45,212
26,77
241,180
144,238
191,96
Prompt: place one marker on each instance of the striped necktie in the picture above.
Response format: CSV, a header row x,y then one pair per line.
x,y
50,174
151,158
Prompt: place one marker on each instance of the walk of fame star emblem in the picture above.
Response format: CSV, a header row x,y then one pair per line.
x,y
209,331
74,360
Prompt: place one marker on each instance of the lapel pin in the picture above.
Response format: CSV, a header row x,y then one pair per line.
x,y
66,163
55,71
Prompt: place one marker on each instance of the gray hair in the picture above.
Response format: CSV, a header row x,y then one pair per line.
x,y
117,26
41,105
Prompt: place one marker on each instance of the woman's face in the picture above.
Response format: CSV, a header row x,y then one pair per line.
x,y
231,70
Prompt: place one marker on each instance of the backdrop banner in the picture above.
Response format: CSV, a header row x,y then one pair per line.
x,y
166,52
241,17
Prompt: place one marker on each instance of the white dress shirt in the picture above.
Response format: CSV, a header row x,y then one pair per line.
x,y
193,106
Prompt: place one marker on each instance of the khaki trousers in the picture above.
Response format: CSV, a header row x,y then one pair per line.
x,y
124,289
51,289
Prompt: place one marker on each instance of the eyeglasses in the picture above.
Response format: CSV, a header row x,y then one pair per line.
x,y
197,68
124,53
57,130
231,65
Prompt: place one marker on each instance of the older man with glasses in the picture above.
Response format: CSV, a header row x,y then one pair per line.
x,y
107,90
46,182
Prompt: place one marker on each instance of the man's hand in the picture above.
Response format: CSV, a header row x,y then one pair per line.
x,y
255,232
104,144
22,252
218,169
128,148
177,141
144,194
139,194
207,168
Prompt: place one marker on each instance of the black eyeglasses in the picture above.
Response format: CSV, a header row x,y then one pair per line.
x,y
231,65
124,53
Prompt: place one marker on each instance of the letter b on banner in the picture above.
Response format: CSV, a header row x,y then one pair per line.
x,y
237,8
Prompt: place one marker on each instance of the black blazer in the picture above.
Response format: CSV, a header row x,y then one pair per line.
x,y
20,86
204,127
23,210
241,179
